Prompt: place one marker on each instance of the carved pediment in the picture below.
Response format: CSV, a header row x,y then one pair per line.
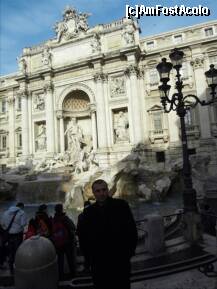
x,y
155,107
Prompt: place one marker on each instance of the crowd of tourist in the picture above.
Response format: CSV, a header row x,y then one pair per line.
x,y
59,229
106,233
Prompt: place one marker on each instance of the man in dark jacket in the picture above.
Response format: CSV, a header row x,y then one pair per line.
x,y
108,237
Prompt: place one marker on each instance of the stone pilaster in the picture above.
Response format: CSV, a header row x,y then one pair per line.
x,y
61,132
93,124
106,93
25,123
48,90
200,84
132,73
101,111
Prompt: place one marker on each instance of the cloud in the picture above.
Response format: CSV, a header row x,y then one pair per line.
x,y
26,23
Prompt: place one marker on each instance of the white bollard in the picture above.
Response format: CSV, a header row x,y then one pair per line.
x,y
36,265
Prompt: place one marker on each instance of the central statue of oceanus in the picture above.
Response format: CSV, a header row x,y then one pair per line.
x,y
73,24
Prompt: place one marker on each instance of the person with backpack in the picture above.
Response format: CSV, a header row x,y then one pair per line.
x,y
13,222
43,223
63,237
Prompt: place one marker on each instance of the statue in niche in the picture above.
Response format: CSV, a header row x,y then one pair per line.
x,y
128,34
121,127
73,23
117,86
39,103
41,137
75,137
22,65
46,56
95,43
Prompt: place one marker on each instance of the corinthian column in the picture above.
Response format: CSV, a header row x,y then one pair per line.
x,y
48,89
61,132
134,104
101,111
25,123
11,120
200,83
93,124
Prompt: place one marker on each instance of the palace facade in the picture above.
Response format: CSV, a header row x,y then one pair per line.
x,y
93,93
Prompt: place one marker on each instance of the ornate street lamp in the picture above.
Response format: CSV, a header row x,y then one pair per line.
x,y
181,104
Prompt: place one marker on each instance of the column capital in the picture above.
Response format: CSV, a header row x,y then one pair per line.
x,y
59,114
100,76
10,99
48,86
131,70
197,62
22,93
92,107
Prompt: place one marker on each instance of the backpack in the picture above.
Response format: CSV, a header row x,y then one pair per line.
x,y
60,234
43,229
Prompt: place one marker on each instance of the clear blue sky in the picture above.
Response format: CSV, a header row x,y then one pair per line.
x,y
24,23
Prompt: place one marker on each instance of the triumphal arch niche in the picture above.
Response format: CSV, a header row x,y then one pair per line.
x,y
78,126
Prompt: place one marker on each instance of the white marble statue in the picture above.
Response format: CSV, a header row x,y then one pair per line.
x,y
72,25
39,103
95,43
41,137
46,56
128,34
22,65
74,136
82,21
121,127
117,86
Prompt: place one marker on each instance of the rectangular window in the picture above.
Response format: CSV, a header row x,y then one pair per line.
x,y
215,112
4,141
157,119
177,39
160,157
19,103
208,31
150,45
3,106
153,75
192,151
19,140
213,60
184,70
188,118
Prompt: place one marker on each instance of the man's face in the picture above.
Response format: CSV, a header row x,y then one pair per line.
x,y
100,192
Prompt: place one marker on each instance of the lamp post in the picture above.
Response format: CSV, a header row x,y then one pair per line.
x,y
181,104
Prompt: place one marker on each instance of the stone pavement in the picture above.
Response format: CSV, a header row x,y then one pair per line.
x,y
190,279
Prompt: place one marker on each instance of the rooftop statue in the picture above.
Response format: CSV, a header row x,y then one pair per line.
x,y
73,24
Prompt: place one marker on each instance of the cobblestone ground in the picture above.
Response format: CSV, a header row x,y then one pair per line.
x,y
185,280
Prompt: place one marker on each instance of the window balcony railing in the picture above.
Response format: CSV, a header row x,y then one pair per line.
x,y
158,134
192,131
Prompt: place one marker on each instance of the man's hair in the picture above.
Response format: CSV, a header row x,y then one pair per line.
x,y
97,182
20,205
